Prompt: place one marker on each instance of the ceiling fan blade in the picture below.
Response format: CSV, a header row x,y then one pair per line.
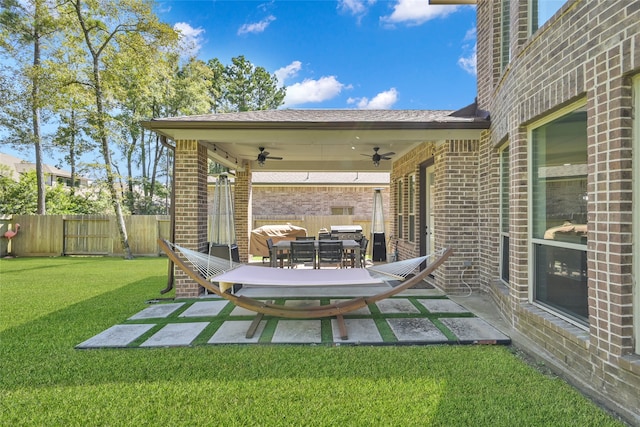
x,y
368,155
264,153
387,154
274,158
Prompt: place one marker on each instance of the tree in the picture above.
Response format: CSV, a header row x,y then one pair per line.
x,y
25,26
249,88
108,28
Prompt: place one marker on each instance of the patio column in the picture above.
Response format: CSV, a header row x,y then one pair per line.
x,y
190,186
243,211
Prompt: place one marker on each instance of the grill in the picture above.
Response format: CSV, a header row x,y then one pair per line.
x,y
346,232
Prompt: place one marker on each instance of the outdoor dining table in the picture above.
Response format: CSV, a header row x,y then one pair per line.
x,y
284,245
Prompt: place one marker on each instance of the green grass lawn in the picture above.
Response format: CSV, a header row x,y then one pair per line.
x,y
49,305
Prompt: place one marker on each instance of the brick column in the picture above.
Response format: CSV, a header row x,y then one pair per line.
x,y
243,212
190,183
456,212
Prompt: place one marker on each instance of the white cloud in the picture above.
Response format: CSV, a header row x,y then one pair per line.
x,y
468,60
190,39
313,91
416,12
355,7
382,101
288,71
256,27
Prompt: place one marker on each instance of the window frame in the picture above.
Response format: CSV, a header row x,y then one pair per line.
x,y
503,156
400,207
411,200
533,242
534,19
636,209
505,33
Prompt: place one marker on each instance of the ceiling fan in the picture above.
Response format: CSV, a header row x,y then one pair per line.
x,y
264,155
376,157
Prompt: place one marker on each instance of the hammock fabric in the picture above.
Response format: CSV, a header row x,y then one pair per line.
x,y
218,276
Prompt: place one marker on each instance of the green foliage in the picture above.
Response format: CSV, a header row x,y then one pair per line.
x,y
249,88
45,381
20,198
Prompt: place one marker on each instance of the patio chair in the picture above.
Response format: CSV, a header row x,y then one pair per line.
x,y
302,252
324,236
350,255
280,256
330,252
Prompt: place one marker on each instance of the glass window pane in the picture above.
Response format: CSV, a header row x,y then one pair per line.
x,y
505,49
561,280
559,187
542,11
504,267
504,190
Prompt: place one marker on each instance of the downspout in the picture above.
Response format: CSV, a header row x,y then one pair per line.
x,y
172,212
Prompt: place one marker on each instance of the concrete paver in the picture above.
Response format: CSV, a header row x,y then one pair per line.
x,y
116,336
175,334
442,306
234,332
403,317
157,311
416,330
205,309
396,305
298,332
361,331
473,329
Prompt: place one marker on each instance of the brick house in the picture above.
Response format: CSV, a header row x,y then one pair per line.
x,y
537,201
554,211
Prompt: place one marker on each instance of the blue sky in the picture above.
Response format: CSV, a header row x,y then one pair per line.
x,y
393,54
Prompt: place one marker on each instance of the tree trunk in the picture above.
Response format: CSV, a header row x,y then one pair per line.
x,y
35,114
106,154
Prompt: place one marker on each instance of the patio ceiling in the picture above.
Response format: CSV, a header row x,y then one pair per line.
x,y
318,140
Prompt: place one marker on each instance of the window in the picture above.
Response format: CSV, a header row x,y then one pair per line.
x,y
342,210
504,213
542,10
412,209
636,209
505,48
400,208
558,213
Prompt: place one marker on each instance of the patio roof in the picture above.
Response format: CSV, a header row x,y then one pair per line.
x,y
319,140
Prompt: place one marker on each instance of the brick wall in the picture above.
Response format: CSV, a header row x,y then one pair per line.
x,y
316,200
456,210
190,207
589,50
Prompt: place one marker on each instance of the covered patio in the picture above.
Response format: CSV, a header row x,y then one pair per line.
x,y
313,141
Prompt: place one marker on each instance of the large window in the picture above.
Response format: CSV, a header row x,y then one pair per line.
x,y
558,213
504,213
505,48
636,210
412,208
542,10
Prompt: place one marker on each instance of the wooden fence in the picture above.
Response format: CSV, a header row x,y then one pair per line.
x,y
59,235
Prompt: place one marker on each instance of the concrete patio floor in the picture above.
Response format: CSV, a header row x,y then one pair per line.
x,y
414,317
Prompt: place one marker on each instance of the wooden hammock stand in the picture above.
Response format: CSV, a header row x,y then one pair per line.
x,y
338,309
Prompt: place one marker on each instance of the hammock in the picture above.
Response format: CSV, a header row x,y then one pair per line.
x,y
218,276
227,273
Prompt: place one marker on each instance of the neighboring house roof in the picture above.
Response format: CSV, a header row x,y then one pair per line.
x,y
17,166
